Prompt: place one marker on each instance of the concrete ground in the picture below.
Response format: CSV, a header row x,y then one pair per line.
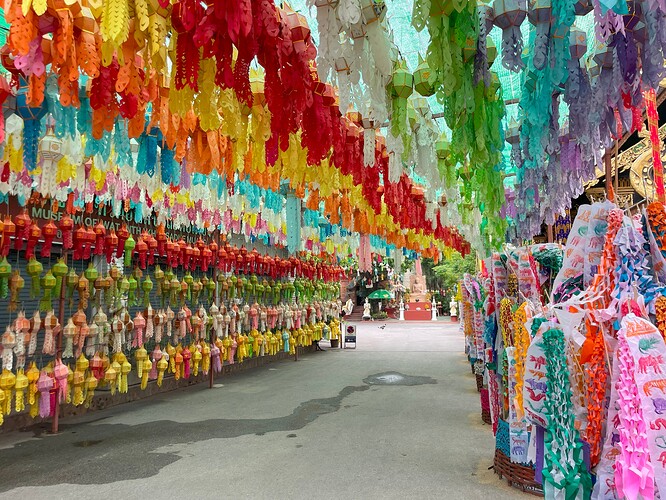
x,y
399,417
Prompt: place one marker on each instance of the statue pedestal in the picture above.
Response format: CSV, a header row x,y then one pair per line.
x,y
418,311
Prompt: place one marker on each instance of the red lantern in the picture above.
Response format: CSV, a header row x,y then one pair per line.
x,y
142,250
206,257
123,235
182,247
89,242
66,226
33,237
221,259
253,260
196,258
161,240
22,229
8,230
49,232
260,264
110,244
79,240
100,234
240,261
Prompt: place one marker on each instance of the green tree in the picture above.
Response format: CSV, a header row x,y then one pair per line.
x,y
450,271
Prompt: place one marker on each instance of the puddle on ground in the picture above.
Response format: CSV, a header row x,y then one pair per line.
x,y
395,378
86,443
128,451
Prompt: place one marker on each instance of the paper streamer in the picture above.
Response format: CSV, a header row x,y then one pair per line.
x,y
648,350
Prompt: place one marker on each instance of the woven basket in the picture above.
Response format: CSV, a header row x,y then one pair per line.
x,y
518,476
479,382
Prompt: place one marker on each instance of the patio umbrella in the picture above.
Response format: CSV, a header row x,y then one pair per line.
x,y
379,295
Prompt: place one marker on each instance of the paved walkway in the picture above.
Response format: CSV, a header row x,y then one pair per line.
x,y
396,418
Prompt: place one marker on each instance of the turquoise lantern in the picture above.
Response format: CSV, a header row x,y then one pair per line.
x,y
31,116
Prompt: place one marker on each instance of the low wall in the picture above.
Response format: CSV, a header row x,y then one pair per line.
x,y
104,399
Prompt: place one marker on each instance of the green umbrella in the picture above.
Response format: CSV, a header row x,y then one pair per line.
x,y
380,294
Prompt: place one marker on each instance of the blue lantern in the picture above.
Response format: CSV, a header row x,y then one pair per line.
x,y
31,116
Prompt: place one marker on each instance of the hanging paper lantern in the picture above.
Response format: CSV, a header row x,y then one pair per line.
x,y
540,15
577,43
50,149
424,79
513,138
372,11
442,7
491,51
31,115
604,56
300,31
583,7
401,87
509,15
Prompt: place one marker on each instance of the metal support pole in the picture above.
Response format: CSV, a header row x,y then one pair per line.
x,y
61,320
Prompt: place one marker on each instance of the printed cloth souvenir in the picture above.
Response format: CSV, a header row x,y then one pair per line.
x,y
518,437
583,250
645,356
535,382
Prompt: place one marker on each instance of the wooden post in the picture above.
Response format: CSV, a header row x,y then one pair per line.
x,y
549,230
61,320
217,303
617,169
610,193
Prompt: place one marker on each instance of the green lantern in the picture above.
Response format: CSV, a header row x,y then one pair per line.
x,y
196,287
71,281
442,7
402,81
174,287
35,269
5,273
277,292
133,287
491,51
210,286
147,287
190,281
91,273
424,79
469,48
48,283
129,248
59,271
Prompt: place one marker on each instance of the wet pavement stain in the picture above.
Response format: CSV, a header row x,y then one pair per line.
x,y
85,444
395,378
114,452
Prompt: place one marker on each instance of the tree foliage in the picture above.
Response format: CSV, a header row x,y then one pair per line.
x,y
452,269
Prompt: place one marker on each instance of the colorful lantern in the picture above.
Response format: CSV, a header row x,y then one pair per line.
x,y
424,79
540,15
31,112
509,15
